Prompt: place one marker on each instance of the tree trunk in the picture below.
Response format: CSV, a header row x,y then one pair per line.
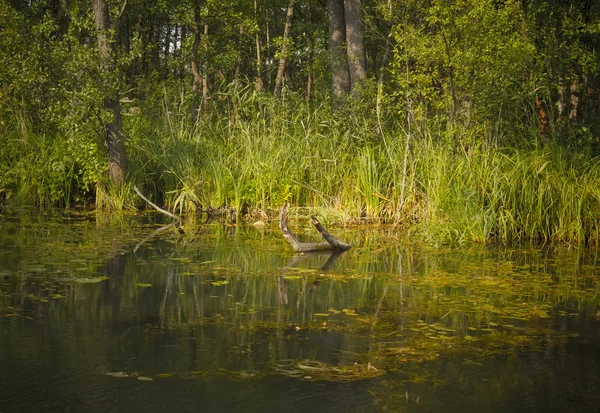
x,y
574,90
197,78
205,87
181,69
355,42
167,46
113,136
284,49
258,80
340,76
309,79
238,60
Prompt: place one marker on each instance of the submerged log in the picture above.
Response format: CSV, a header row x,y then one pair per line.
x,y
330,243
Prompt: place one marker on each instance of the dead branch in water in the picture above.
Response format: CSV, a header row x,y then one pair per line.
x,y
330,243
159,209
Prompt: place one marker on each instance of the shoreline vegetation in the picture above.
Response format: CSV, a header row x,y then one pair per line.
x,y
472,191
456,123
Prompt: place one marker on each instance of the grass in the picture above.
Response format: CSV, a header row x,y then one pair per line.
x,y
256,152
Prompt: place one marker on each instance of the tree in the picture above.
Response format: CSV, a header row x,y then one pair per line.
x,y
355,43
340,75
258,77
198,81
468,61
113,134
285,48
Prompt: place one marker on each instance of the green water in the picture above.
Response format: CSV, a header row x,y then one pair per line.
x,y
102,313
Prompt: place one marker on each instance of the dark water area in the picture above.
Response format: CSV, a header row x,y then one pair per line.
x,y
103,313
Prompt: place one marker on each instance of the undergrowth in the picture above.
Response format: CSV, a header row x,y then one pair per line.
x,y
257,152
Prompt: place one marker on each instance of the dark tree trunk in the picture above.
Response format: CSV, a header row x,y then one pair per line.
x,y
197,78
155,36
340,76
182,65
113,136
355,42
309,79
284,49
167,44
237,69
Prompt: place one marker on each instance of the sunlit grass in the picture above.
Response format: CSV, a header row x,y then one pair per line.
x,y
256,152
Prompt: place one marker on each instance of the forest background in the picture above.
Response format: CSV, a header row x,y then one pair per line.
x,y
459,120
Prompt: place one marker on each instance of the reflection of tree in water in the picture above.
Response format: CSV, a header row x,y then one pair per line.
x,y
236,303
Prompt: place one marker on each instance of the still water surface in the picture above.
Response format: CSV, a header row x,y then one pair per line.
x,y
104,314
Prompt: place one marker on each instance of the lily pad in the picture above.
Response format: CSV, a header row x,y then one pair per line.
x,y
117,374
144,378
92,280
143,285
180,259
37,269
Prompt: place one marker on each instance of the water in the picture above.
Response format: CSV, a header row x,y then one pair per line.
x,y
229,319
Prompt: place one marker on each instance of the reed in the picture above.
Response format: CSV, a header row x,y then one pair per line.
x,y
255,152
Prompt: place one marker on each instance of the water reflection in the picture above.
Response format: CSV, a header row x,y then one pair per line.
x,y
220,312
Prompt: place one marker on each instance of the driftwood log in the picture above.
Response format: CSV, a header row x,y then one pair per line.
x,y
330,243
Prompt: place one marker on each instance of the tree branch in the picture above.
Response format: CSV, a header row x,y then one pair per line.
x,y
330,243
159,209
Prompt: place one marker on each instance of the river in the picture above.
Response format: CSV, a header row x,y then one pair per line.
x,y
103,313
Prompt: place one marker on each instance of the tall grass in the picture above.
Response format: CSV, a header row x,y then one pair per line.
x,y
255,152
35,171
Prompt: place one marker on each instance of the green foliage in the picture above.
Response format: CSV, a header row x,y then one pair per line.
x,y
35,171
496,107
467,59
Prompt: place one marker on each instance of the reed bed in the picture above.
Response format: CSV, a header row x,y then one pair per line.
x,y
254,152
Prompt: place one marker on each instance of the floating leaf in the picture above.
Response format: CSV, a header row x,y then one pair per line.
x,y
117,374
321,315
92,280
180,259
144,378
143,285
37,269
291,277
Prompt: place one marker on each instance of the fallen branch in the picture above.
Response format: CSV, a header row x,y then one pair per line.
x,y
335,243
159,209
330,243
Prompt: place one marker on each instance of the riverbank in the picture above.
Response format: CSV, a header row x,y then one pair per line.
x,y
437,183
